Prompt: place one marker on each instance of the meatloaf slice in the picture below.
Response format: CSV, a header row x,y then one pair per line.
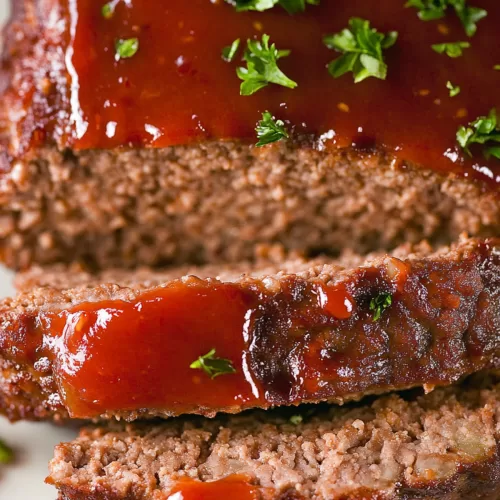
x,y
145,344
150,160
442,445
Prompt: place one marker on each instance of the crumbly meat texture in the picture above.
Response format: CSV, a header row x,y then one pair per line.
x,y
441,327
441,445
208,202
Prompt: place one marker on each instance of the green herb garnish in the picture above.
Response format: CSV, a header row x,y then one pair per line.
x,y
296,419
108,10
362,48
451,49
228,53
454,89
126,48
430,10
291,6
484,130
496,67
270,130
262,67
213,366
379,304
6,453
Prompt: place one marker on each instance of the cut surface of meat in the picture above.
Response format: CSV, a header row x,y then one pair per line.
x,y
148,160
145,344
442,445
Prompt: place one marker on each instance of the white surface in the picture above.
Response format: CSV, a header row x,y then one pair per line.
x,y
33,443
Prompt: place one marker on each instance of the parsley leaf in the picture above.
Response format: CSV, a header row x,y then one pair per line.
x,y
213,366
362,47
126,48
454,89
379,304
430,10
296,419
291,6
483,130
262,67
108,10
451,49
270,130
6,453
229,52
496,67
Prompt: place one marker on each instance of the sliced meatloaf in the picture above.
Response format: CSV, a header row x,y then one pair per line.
x,y
145,344
149,159
443,445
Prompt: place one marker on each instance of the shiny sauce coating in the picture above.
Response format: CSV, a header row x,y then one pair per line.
x,y
177,89
290,340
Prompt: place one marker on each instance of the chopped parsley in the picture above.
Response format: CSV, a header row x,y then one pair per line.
x,y
451,49
270,130
291,6
126,48
496,67
262,67
430,10
108,10
296,419
379,304
228,53
454,89
212,365
6,453
484,130
362,48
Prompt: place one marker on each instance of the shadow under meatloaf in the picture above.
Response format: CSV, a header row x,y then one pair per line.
x,y
442,445
220,200
121,344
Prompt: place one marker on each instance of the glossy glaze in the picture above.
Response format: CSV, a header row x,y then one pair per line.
x,y
290,340
178,90
230,488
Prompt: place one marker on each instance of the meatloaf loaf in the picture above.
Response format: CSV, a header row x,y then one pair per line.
x,y
145,344
148,157
444,445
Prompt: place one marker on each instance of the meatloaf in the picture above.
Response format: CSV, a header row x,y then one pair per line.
x,y
150,159
443,445
145,344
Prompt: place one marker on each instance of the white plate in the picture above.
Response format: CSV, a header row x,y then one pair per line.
x,y
33,443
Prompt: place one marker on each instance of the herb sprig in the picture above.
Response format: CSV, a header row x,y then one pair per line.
x,y
6,453
213,366
229,53
270,130
484,130
451,49
454,89
430,10
126,48
379,304
291,6
262,67
362,48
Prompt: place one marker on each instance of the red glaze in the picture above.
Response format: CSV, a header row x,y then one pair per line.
x,y
290,340
122,355
231,488
178,90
